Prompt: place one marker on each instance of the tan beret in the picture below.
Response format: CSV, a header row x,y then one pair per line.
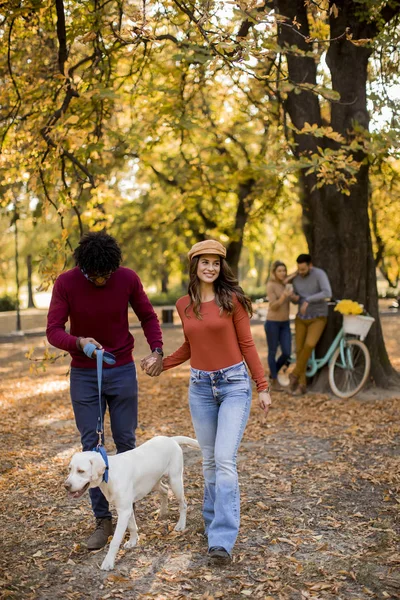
x,y
207,247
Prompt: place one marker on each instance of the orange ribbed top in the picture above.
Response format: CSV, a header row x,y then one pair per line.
x,y
216,341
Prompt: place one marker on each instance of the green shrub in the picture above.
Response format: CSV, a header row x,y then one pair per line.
x,y
256,293
169,299
7,303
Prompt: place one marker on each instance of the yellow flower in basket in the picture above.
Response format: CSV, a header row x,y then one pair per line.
x,y
349,307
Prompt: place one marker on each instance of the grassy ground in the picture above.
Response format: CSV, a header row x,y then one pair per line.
x,y
320,492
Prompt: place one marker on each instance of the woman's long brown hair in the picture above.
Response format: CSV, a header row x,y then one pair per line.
x,y
225,287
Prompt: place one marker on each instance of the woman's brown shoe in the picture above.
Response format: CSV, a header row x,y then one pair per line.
x,y
219,555
275,386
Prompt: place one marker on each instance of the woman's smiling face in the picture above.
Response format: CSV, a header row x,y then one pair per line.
x,y
280,273
209,267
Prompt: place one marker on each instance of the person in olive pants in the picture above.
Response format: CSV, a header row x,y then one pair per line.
x,y
311,289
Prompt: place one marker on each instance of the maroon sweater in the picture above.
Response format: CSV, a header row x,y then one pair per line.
x,y
100,313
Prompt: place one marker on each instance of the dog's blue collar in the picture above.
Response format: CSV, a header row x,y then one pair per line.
x,y
103,453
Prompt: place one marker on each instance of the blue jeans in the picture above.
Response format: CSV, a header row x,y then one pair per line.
x,y
120,392
278,334
220,405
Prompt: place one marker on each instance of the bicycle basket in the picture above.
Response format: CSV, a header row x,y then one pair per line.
x,y
357,325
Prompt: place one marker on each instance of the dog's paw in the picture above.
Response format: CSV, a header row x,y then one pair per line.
x,y
131,543
107,565
180,527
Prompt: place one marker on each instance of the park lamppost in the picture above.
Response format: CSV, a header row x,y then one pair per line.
x,y
14,221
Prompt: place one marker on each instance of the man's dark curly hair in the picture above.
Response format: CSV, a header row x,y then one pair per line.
x,y
98,253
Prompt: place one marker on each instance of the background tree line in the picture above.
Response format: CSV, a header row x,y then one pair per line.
x,y
168,122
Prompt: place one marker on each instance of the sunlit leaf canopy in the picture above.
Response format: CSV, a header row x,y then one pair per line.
x,y
164,123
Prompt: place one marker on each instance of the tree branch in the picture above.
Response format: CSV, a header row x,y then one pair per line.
x,y
14,111
391,10
247,24
62,36
79,165
73,204
162,177
48,198
80,63
9,61
45,132
209,223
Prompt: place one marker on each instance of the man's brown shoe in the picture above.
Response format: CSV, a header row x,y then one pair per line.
x,y
300,390
100,535
293,382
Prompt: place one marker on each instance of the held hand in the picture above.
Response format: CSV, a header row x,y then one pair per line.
x,y
155,369
152,364
294,297
147,361
290,277
88,340
264,400
303,308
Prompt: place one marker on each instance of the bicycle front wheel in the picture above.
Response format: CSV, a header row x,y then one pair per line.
x,y
349,368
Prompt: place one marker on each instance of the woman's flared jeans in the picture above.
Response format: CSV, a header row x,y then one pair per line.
x,y
220,405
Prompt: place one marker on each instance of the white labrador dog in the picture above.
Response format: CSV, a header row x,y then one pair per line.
x,y
132,475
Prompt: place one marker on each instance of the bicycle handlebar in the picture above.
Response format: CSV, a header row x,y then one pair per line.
x,y
333,301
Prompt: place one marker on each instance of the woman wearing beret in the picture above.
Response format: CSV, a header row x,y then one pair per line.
x,y
215,317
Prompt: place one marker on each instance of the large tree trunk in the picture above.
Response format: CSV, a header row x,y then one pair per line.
x,y
337,226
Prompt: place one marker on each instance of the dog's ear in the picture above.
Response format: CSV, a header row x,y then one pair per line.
x,y
98,466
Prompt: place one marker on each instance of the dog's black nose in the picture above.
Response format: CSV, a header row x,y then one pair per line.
x,y
67,486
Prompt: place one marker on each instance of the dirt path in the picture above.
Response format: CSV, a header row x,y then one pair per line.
x,y
320,490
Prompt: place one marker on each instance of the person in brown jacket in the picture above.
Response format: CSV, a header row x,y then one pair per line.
x,y
277,325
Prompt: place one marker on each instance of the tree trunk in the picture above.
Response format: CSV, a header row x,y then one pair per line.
x,y
16,260
260,268
31,302
242,213
337,226
164,281
356,276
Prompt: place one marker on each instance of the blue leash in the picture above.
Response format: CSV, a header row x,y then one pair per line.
x,y
107,357
99,428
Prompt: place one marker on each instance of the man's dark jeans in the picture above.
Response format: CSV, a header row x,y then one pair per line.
x,y
278,334
120,393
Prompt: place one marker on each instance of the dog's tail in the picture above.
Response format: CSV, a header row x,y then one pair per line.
x,y
182,440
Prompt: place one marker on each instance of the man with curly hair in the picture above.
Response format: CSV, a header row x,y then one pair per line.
x,y
95,297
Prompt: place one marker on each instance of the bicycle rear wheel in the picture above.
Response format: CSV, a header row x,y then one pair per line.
x,y
349,370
